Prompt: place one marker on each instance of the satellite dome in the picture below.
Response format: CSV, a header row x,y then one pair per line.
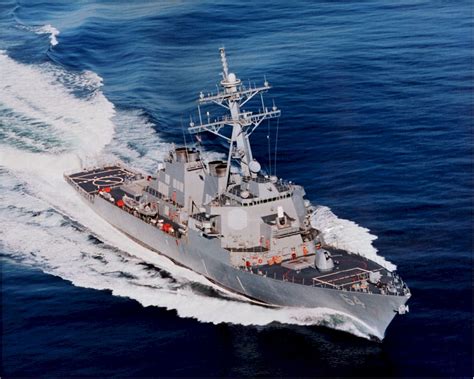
x,y
254,167
232,77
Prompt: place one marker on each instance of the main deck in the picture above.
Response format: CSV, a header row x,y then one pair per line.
x,y
351,273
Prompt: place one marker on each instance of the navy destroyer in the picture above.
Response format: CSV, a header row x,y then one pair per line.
x,y
244,230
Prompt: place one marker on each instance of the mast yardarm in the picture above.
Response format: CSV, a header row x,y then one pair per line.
x,y
232,96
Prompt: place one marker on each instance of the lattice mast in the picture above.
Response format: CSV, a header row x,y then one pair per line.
x,y
232,96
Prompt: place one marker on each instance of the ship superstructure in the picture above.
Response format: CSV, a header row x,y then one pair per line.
x,y
243,229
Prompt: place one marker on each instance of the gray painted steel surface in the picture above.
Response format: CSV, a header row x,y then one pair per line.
x,y
243,229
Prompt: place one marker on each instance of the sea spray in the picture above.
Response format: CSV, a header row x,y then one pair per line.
x,y
347,235
48,29
68,105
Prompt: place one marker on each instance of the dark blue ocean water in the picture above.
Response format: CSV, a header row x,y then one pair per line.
x,y
377,101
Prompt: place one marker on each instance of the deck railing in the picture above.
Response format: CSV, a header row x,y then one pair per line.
x,y
291,278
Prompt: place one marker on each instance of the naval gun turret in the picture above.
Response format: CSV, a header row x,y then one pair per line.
x,y
323,260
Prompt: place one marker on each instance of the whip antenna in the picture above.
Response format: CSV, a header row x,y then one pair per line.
x,y
269,149
276,147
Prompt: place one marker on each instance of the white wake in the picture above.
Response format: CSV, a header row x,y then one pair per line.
x,y
45,98
54,122
347,235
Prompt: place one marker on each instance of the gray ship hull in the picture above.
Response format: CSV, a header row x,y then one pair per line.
x,y
373,312
243,229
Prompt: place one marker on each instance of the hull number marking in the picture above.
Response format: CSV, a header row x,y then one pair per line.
x,y
354,301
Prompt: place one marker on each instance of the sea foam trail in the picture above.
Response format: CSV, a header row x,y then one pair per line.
x,y
48,98
45,223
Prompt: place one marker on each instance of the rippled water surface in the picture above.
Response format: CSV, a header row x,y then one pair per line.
x,y
376,123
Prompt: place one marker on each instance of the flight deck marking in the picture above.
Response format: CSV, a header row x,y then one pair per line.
x,y
87,174
116,172
99,178
107,181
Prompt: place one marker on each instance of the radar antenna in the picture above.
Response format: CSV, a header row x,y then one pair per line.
x,y
232,96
